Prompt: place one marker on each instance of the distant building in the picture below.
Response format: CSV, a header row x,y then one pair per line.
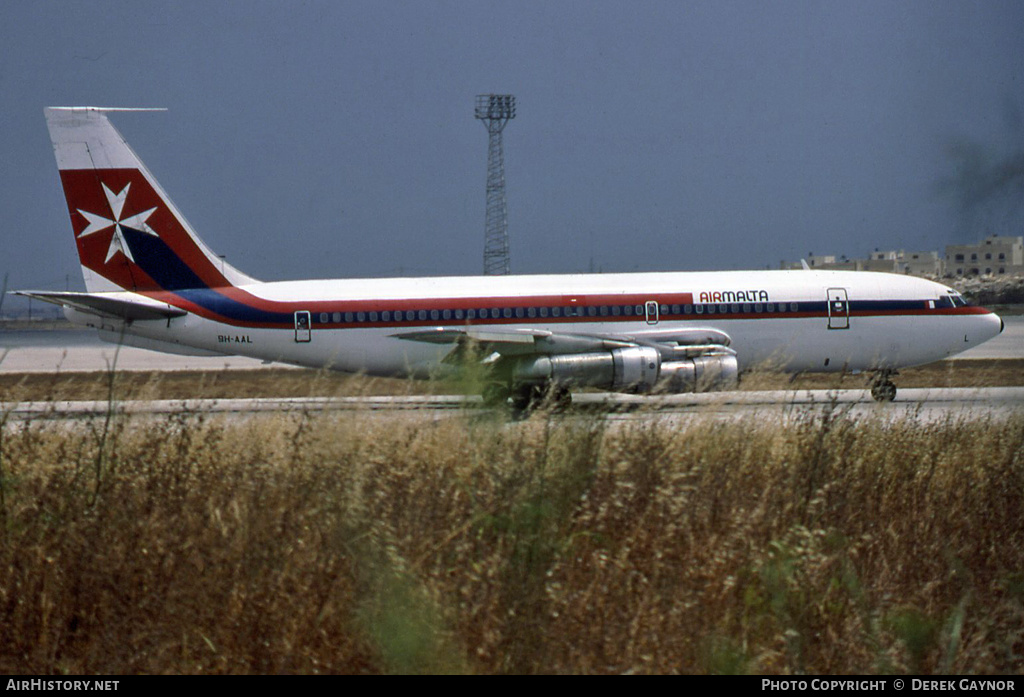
x,y
994,256
921,263
887,261
816,262
891,261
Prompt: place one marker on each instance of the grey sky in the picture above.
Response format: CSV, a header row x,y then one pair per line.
x,y
337,139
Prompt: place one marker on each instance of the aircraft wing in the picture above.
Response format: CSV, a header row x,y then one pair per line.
x,y
114,305
670,343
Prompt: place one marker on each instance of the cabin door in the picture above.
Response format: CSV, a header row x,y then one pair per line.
x,y
838,309
303,324
651,310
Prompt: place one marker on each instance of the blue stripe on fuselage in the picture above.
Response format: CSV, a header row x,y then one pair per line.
x,y
212,300
165,267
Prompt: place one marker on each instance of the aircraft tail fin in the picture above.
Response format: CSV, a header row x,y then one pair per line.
x,y
130,235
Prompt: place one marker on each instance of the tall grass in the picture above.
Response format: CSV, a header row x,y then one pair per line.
x,y
382,543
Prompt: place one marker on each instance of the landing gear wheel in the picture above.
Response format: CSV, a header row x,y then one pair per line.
x,y
528,398
561,398
883,390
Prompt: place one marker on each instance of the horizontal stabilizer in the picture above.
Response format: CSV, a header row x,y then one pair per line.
x,y
114,305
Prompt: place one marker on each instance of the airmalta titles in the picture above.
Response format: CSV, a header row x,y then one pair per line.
x,y
734,296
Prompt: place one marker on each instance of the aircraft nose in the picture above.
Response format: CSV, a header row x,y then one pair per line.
x,y
983,327
993,326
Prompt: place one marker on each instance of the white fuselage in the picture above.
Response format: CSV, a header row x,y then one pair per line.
x,y
790,320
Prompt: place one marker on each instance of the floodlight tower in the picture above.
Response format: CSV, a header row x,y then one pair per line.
x,y
496,110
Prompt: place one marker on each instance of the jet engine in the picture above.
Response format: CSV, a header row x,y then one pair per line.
x,y
717,371
632,369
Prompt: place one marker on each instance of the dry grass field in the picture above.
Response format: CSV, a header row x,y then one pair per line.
x,y
351,543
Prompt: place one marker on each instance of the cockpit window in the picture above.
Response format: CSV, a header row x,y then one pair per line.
x,y
954,299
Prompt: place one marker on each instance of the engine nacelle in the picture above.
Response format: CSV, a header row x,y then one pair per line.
x,y
634,369
718,371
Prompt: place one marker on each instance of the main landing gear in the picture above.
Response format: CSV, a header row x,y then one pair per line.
x,y
882,387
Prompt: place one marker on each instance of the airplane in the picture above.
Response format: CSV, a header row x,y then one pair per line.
x,y
151,282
